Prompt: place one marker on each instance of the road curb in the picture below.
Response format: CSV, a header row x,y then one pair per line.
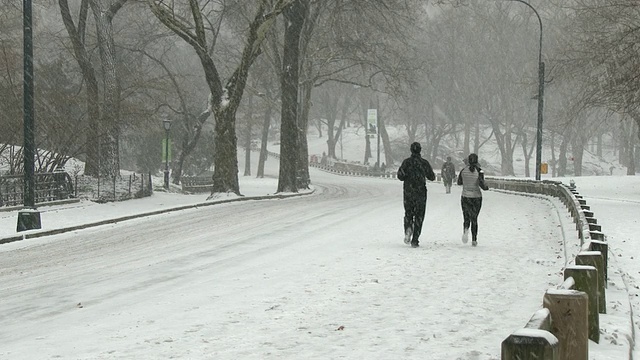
x,y
38,234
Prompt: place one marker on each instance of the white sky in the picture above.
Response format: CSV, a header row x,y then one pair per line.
x,y
322,276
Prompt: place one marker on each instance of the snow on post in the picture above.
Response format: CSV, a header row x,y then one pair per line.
x,y
603,247
586,278
595,259
569,321
525,344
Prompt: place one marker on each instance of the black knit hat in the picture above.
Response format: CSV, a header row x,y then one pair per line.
x,y
416,148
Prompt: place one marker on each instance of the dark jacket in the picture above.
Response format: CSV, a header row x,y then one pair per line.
x,y
448,171
414,172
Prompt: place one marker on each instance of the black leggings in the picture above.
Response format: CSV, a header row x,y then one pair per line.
x,y
470,210
415,206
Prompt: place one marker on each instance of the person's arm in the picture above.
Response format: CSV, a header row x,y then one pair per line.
x,y
459,182
401,173
429,171
481,181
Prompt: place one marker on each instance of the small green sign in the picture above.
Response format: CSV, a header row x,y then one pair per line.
x,y
164,150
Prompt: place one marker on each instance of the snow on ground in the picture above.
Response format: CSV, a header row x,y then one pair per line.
x,y
351,148
615,201
320,276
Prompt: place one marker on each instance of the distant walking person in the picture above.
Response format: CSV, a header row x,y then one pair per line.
x,y
471,178
448,173
414,172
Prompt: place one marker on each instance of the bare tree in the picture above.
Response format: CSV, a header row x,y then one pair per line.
x,y
363,45
190,25
103,13
10,82
600,46
102,130
485,74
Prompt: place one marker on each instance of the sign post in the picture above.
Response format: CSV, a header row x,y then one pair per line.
x,y
372,130
372,121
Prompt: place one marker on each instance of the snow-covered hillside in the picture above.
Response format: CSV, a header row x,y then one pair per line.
x,y
352,146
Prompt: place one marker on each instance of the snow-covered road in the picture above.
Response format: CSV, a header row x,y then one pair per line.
x,y
320,276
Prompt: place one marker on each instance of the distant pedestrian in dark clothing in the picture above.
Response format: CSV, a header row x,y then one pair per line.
x,y
471,178
414,172
448,173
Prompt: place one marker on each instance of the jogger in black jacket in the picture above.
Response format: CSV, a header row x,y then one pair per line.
x,y
414,172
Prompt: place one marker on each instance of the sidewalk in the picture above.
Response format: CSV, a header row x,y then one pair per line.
x,y
66,217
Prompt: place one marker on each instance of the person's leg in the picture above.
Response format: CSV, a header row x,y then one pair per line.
x,y
420,209
409,214
477,205
466,212
466,215
474,230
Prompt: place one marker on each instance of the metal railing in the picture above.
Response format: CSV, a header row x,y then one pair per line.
x,y
48,187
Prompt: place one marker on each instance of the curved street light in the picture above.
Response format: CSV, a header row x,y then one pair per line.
x,y
540,95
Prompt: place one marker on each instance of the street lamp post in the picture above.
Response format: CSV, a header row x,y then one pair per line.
x,y
28,105
540,95
167,127
28,218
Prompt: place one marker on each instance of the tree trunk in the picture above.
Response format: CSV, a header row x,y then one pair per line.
x,y
225,158
631,148
504,145
476,137
525,153
266,123
577,149
189,142
76,35
386,143
225,176
303,126
224,99
109,151
247,137
467,139
554,162
338,132
562,157
289,142
634,136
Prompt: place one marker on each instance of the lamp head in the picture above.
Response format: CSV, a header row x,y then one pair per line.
x,y
166,124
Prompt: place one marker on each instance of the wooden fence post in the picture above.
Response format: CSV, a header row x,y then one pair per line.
x,y
569,322
534,342
586,280
530,344
603,247
594,258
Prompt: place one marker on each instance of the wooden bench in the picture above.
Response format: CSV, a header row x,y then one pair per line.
x,y
196,184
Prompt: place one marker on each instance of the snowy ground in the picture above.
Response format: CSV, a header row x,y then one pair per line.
x,y
615,201
321,276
